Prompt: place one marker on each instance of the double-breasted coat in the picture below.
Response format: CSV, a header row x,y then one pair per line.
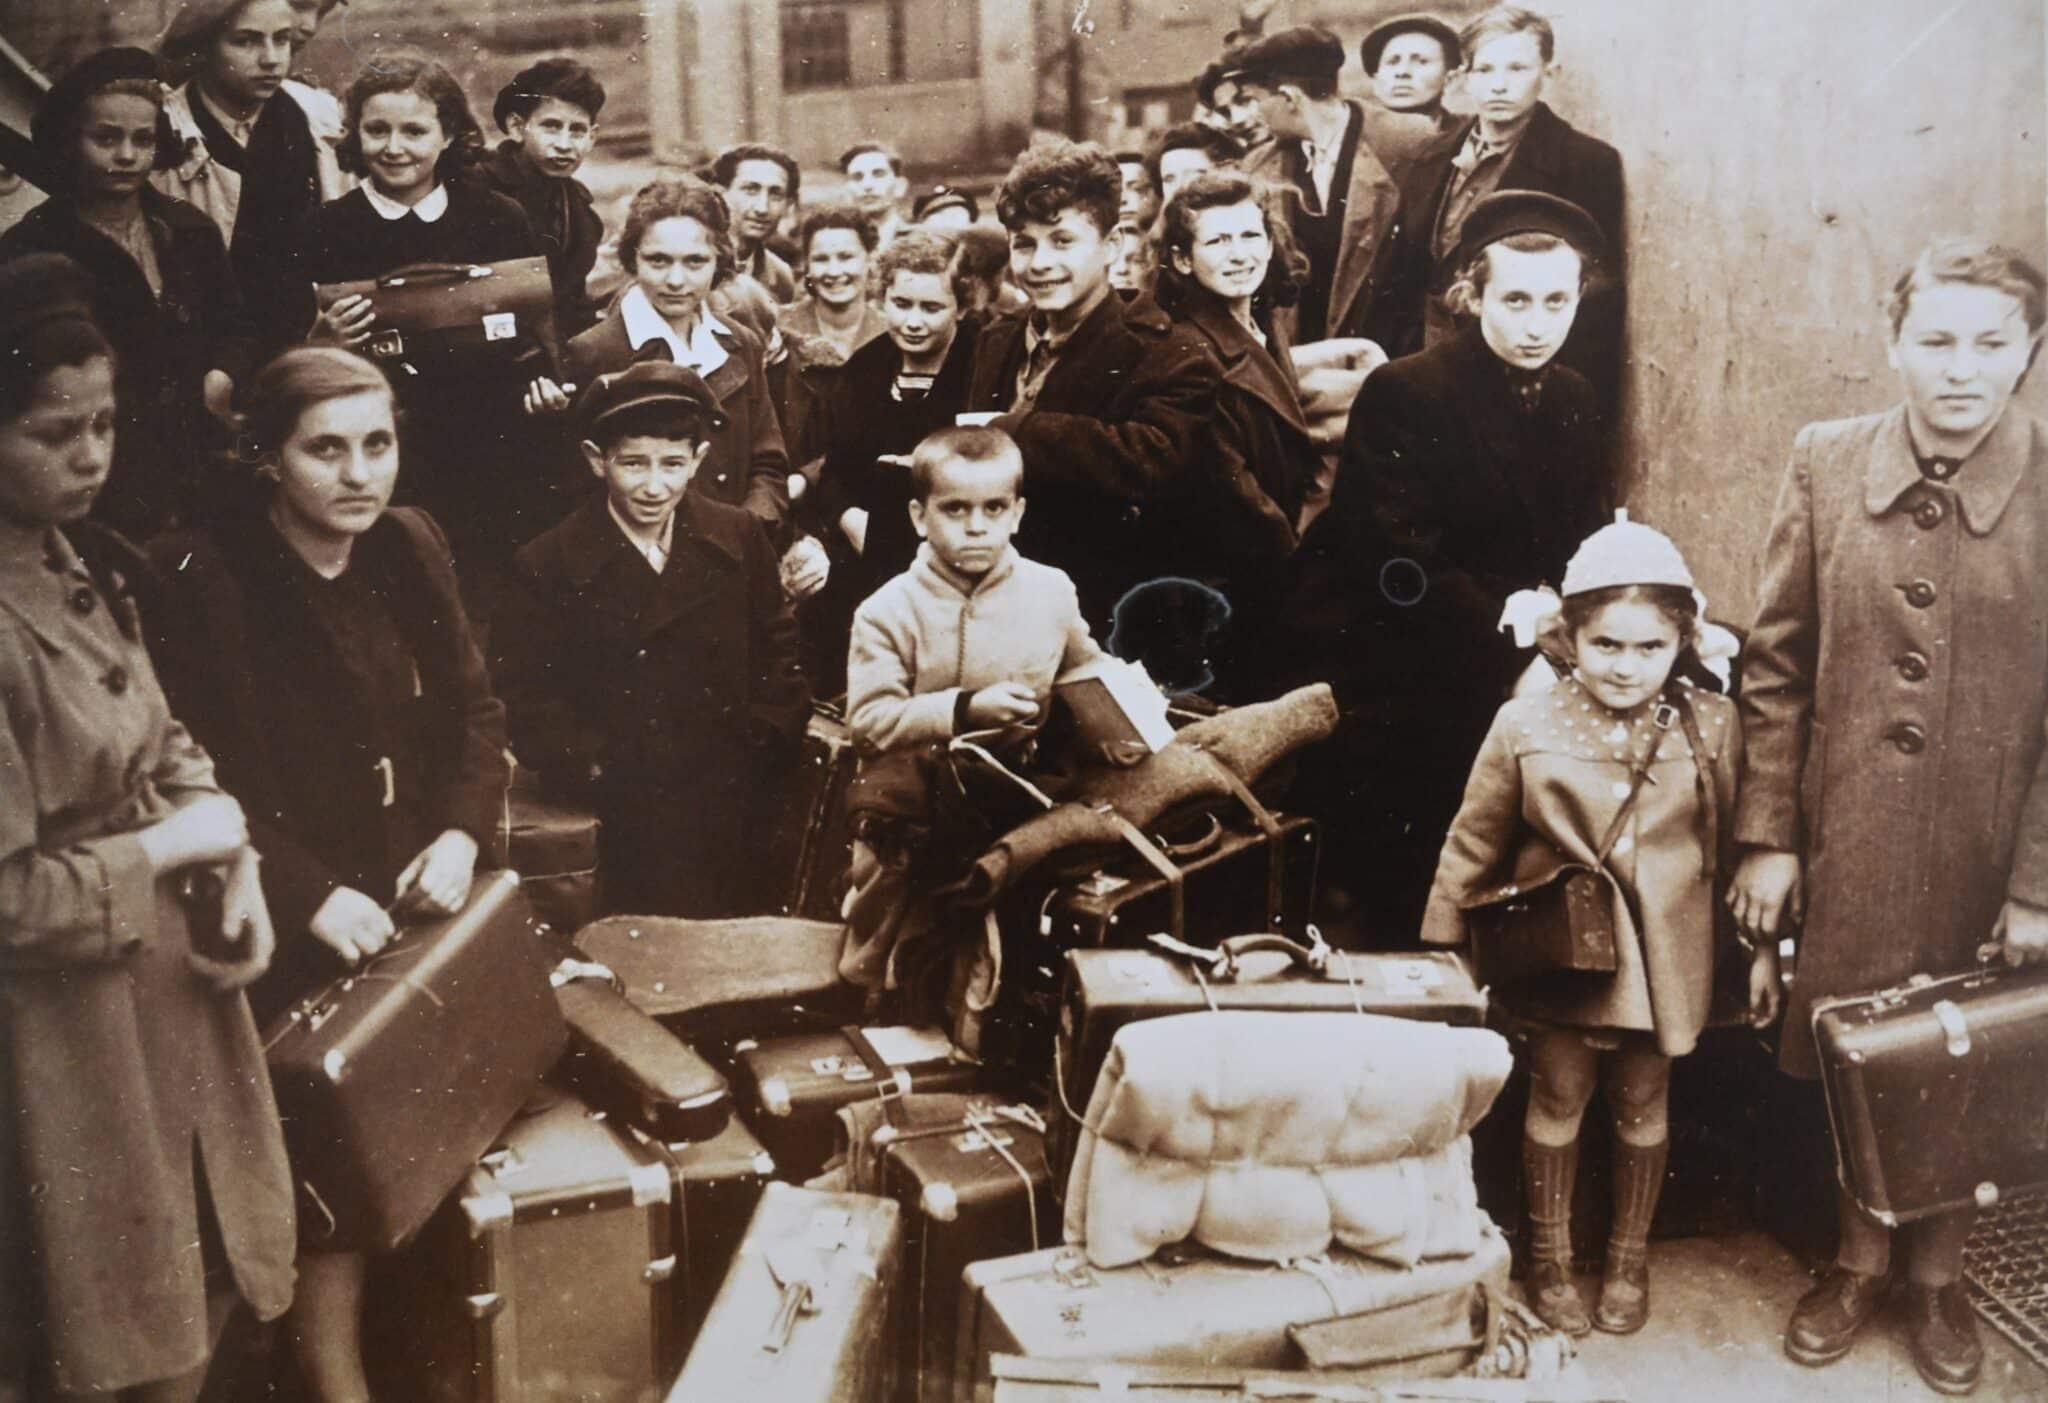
x,y
672,699
1118,419
1894,694
1546,785
126,1073
1452,492
343,784
747,465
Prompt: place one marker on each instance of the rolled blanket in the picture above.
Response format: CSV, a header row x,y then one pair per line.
x,y
1248,740
1271,1135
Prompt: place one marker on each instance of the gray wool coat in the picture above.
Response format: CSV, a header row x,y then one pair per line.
x,y
1893,698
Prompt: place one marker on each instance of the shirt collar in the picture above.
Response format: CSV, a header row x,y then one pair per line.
x,y
239,128
430,209
703,352
657,552
1983,488
1038,331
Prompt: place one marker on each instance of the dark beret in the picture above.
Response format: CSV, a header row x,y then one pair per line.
x,y
57,114
944,197
38,289
1506,213
648,384
1376,42
1305,51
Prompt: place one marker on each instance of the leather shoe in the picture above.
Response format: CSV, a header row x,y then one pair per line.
x,y
1555,1297
1624,1306
1943,1333
1825,1322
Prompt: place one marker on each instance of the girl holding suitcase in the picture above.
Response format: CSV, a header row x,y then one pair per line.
x,y
143,1184
1622,768
318,643
1895,802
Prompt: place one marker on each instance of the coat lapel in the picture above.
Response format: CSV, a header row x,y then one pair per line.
x,y
1094,363
1984,487
1248,366
1369,209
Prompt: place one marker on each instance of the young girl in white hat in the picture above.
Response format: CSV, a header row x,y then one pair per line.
x,y
1620,734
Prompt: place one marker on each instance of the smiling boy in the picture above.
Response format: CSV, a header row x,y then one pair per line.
x,y
548,113
1106,401
647,656
760,184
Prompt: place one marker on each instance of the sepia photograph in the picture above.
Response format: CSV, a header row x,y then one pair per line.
x,y
1023,701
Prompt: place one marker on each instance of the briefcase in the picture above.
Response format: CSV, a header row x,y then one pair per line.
x,y
549,1274
393,1080
435,310
1934,1090
803,1314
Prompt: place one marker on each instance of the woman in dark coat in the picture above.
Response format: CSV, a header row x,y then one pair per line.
x,y
1896,697
1469,471
1225,265
163,287
319,644
677,246
888,396
143,1184
471,461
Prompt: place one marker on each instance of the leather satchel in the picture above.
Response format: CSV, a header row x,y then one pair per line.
x,y
1563,923
428,310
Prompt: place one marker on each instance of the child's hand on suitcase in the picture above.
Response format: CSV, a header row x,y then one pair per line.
x,y
1002,704
436,883
352,924
346,322
2023,930
245,922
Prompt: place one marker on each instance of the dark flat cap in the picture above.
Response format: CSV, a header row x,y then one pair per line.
x,y
1376,42
944,197
648,384
1506,213
57,114
1305,51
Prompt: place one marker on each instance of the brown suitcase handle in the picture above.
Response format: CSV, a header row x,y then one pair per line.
x,y
415,274
1222,962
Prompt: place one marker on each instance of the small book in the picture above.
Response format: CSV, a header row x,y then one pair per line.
x,y
1115,705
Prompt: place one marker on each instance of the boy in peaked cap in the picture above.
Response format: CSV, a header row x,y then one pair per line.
x,y
647,656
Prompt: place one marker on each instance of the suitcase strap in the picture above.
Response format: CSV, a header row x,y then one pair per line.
x,y
1267,824
1176,884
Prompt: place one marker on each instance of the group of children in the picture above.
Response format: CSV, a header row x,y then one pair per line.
x,y
759,422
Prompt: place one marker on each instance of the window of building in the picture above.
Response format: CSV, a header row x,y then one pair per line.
x,y
860,43
815,48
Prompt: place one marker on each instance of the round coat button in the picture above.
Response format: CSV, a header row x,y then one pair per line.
x,y
1908,737
1921,593
1929,514
83,601
1912,666
116,680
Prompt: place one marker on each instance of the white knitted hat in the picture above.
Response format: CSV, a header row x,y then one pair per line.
x,y
1625,552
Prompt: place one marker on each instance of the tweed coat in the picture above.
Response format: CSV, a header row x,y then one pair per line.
x,y
1894,696
1546,785
123,1069
1117,422
747,465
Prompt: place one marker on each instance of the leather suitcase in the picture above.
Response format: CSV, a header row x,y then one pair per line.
x,y
1015,1379
391,1081
833,1347
718,982
630,1067
810,842
790,1088
971,1188
1934,1090
437,310
553,848
1187,1307
1230,886
718,1184
1107,989
549,1274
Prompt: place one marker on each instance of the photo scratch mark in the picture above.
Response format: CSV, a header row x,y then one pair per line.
x,y
1083,25
1922,37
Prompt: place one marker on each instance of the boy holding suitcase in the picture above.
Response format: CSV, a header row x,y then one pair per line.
x,y
968,640
647,655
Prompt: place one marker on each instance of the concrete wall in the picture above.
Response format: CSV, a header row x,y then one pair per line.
x,y
1785,160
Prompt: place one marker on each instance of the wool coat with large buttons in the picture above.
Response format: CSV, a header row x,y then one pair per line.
x,y
1894,696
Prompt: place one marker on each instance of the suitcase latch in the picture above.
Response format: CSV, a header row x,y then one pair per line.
x,y
1953,1026
386,345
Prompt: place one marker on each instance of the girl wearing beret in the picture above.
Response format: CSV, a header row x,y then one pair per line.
x,y
163,288
1896,792
143,1186
1626,769
319,645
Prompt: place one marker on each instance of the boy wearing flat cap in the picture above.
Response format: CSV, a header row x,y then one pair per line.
x,y
647,655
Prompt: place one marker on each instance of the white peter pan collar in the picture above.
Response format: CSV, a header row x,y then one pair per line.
x,y
429,210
